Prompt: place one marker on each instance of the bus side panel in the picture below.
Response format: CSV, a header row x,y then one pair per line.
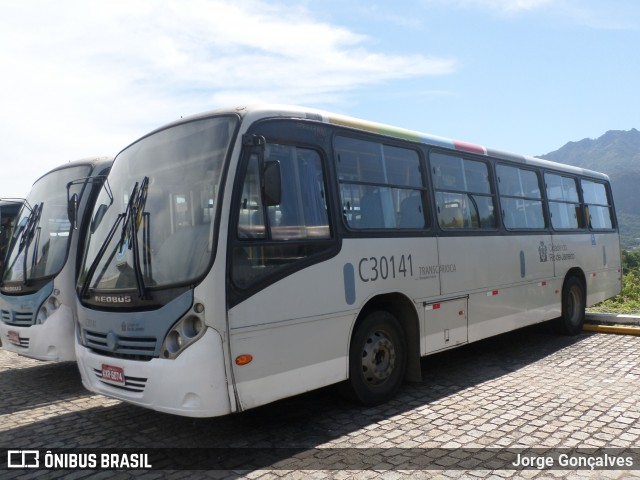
x,y
296,345
542,289
610,279
605,270
289,359
597,255
298,329
572,251
507,280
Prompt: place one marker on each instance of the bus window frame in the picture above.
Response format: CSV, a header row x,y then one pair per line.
x,y
236,294
489,162
543,201
548,201
610,206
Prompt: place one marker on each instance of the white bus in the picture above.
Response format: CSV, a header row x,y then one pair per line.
x,y
252,254
37,287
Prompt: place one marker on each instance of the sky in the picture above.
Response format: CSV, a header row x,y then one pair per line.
x,y
80,79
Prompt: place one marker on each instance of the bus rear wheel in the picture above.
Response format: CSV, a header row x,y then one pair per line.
x,y
573,307
377,359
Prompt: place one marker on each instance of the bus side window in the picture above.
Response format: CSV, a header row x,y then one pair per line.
x,y
564,204
598,206
251,216
464,196
381,186
520,197
302,213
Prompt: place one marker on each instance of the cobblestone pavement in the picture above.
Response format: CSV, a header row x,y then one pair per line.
x,y
525,389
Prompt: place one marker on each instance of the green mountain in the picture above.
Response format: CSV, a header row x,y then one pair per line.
x,y
616,153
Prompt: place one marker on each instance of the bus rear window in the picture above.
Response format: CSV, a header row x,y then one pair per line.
x,y
598,205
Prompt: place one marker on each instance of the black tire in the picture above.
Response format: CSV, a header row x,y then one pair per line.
x,y
574,301
377,359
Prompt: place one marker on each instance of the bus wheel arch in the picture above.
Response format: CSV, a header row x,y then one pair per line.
x,y
573,302
388,327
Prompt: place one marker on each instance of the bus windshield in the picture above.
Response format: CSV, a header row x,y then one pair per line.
x,y
153,226
41,236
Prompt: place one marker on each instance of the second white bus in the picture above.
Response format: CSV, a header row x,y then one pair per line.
x,y
251,254
37,289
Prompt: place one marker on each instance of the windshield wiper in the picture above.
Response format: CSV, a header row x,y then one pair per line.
x,y
26,238
134,216
129,217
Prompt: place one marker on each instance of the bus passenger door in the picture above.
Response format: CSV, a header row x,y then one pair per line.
x,y
445,325
284,337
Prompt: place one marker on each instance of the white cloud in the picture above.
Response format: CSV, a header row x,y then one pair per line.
x,y
82,78
512,6
499,6
586,13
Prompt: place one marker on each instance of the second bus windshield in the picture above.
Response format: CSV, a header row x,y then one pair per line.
x,y
39,246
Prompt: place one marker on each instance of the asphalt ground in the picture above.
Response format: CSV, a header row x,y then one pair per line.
x,y
530,393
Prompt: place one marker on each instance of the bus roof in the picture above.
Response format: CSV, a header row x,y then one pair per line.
x,y
257,112
92,161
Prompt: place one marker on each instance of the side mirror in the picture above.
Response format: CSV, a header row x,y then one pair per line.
x,y
272,183
97,218
22,223
72,210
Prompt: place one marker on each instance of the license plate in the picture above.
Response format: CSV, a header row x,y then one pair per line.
x,y
13,337
112,374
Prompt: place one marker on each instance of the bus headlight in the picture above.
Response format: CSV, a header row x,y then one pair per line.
x,y
183,334
49,306
53,304
42,315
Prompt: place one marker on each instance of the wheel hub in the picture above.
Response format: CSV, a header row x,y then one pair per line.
x,y
378,358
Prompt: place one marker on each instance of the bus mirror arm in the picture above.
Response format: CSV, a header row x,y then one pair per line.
x,y
72,200
272,183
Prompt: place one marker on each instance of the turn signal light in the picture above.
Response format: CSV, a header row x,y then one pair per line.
x,y
243,359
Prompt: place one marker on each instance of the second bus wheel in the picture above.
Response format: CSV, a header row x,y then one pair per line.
x,y
573,306
377,359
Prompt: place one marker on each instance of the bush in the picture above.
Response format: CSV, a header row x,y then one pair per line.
x,y
628,301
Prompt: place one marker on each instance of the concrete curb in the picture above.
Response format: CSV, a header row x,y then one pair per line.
x,y
620,324
612,319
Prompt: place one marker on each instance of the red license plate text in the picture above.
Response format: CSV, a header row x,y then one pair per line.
x,y
13,337
112,374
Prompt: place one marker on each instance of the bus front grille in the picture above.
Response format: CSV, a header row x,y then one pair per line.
x,y
126,347
17,319
22,343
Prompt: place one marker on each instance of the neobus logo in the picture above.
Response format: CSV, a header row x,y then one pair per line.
x,y
15,288
112,298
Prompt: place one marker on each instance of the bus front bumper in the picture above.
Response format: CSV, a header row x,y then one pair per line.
x,y
51,341
193,384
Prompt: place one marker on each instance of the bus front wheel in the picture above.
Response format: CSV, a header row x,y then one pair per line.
x,y
573,306
377,359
